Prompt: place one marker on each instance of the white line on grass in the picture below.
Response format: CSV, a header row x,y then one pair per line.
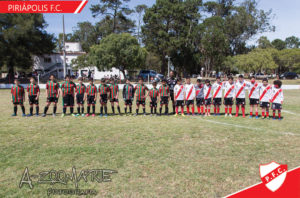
x,y
289,112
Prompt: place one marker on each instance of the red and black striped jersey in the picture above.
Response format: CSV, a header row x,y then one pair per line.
x,y
80,89
52,88
164,90
33,89
103,89
141,92
113,90
128,91
17,93
91,90
153,93
68,88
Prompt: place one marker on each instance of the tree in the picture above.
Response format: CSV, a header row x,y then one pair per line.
x,y
288,60
121,51
264,43
21,36
279,44
86,34
140,9
292,42
114,13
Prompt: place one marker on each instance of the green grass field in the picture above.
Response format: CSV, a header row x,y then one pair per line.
x,y
154,156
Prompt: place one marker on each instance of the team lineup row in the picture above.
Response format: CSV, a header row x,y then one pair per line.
x,y
205,94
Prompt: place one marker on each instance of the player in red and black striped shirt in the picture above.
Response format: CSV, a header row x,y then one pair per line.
x,y
33,91
18,97
91,97
140,92
52,94
80,96
113,96
103,90
68,92
164,92
153,94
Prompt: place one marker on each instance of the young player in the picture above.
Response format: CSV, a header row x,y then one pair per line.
x,y
68,93
171,81
164,93
264,97
153,94
80,97
207,96
217,88
113,95
91,97
200,97
229,91
103,93
18,97
277,99
179,96
128,95
253,87
240,87
140,92
190,96
52,93
33,91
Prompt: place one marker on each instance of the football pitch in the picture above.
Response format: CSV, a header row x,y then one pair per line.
x,y
163,156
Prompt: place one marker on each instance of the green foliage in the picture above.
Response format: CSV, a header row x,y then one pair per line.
x,y
292,42
264,43
117,50
289,60
279,44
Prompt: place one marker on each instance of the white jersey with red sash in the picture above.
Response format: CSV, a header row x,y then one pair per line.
x,y
190,92
199,91
240,89
265,93
207,92
276,96
253,90
217,90
179,91
229,90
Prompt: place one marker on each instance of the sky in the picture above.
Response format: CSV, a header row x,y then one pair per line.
x,y
286,18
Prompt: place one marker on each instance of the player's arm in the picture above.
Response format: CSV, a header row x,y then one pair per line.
x,y
124,97
38,93
96,93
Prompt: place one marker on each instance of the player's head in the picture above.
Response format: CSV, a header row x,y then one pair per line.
x,y
241,78
218,79
188,80
198,82
207,82
179,81
230,79
67,78
127,81
52,77
17,81
112,81
32,80
172,74
277,84
265,81
91,81
80,80
102,81
141,80
154,83
253,79
164,81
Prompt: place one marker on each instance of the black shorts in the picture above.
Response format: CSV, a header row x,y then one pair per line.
x,y
207,101
200,101
80,99
128,102
52,99
18,103
140,102
33,100
164,100
103,99
153,102
172,95
217,101
240,101
179,103
254,101
264,104
114,100
189,102
276,106
91,100
228,101
68,100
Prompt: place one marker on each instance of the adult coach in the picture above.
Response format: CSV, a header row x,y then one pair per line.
x,y
172,82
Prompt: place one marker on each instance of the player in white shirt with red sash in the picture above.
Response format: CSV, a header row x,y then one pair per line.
x,y
277,99
229,94
264,97
179,96
207,96
253,88
190,96
217,88
240,95
199,87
